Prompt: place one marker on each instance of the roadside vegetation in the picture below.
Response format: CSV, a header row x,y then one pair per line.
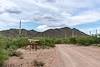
x,y
8,46
83,40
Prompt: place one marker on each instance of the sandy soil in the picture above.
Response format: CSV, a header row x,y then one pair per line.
x,y
79,56
45,55
60,56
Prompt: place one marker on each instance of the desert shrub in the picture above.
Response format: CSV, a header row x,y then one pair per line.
x,y
66,41
72,40
17,53
9,46
3,42
96,40
14,44
38,63
47,42
58,41
18,43
21,42
3,51
86,41
82,40
61,40
3,56
11,52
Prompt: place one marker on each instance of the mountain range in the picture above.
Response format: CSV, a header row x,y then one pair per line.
x,y
61,32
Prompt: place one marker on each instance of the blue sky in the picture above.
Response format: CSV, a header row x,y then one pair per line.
x,y
89,27
49,14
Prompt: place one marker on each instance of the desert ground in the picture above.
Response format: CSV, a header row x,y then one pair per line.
x,y
60,56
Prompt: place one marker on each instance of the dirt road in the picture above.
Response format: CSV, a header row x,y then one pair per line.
x,y
60,56
78,56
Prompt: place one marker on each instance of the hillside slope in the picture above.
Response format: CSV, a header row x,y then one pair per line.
x,y
62,32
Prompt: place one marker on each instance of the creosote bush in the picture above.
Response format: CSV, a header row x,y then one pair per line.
x,y
3,56
9,46
72,40
87,41
83,40
18,42
47,42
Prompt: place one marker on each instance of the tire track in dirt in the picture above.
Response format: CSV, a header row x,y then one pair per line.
x,y
73,56
90,52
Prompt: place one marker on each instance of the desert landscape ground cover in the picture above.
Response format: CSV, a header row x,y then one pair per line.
x,y
20,52
49,33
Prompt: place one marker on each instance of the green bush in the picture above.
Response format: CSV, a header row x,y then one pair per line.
x,y
3,42
96,40
61,40
9,46
86,41
72,40
11,51
18,43
66,41
3,51
58,41
47,42
3,56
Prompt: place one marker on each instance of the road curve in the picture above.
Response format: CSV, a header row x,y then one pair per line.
x,y
78,56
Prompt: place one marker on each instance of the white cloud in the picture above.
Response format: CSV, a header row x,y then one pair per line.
x,y
42,28
50,13
85,17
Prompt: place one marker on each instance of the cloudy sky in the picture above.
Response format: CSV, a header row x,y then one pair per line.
x,y
45,14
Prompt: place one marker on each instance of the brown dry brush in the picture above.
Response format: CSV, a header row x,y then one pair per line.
x,y
38,63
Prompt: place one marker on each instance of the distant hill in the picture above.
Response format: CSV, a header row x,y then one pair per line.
x,y
62,32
